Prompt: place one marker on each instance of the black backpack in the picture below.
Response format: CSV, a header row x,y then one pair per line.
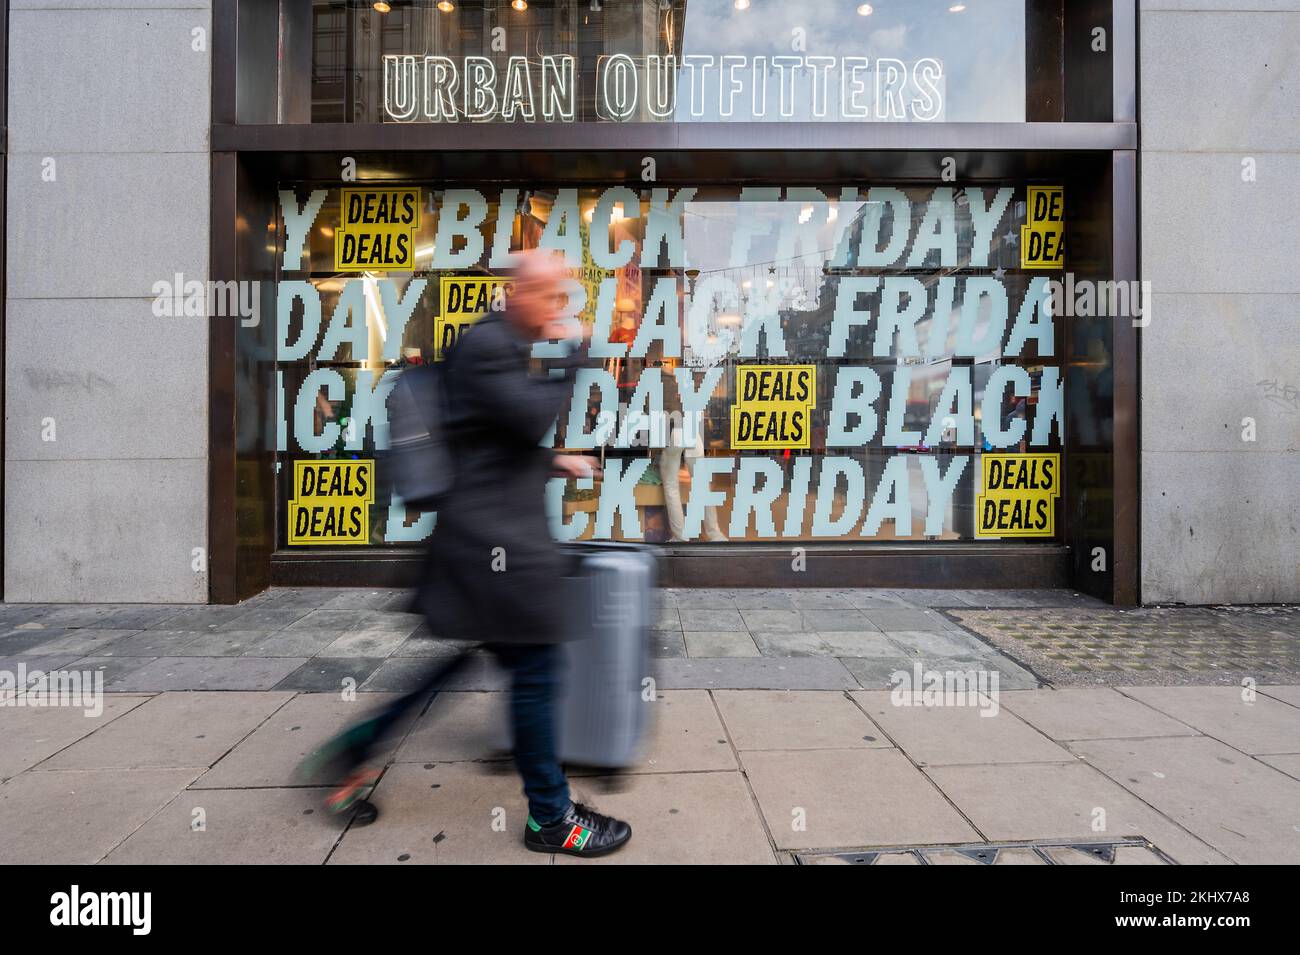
x,y
421,455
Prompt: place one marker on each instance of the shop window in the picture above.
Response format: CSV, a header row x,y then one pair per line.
x,y
795,364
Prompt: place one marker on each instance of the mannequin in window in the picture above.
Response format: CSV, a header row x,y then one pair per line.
x,y
670,459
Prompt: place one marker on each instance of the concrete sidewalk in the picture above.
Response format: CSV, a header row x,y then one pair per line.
x,y
767,757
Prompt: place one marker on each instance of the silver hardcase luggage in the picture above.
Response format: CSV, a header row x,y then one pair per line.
x,y
602,709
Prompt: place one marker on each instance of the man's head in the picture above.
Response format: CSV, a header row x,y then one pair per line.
x,y
537,294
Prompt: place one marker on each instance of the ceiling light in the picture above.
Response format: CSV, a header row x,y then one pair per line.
x,y
446,6
742,4
865,10
382,7
520,5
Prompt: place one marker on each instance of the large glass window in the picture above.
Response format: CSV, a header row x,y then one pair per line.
x,y
669,61
770,363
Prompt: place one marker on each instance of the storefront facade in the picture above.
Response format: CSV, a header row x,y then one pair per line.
x,y
825,351
862,281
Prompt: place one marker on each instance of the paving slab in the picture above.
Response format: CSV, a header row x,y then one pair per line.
x,y
1287,764
150,643
849,643
407,674
32,734
303,644
480,673
366,642
1028,801
1003,599
772,621
224,643
1072,713
704,598
681,819
836,620
667,618
1244,809
172,730
763,600
953,644
271,754
29,642
325,674
31,665
139,617
826,799
199,619
876,599
694,618
77,615
263,618
814,599
959,734
418,645
207,673
1287,694
76,818
796,719
810,673
398,621
901,619
113,668
684,735
355,598
288,598
934,599
338,620
672,643
13,614
1258,725
238,827
720,643
448,813
878,672
85,642
458,726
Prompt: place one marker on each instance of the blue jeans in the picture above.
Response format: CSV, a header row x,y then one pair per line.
x,y
534,674
534,678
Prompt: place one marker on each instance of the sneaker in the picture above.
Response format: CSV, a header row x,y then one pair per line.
x,y
352,789
579,832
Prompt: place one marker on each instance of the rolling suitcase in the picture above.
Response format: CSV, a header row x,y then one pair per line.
x,y
611,599
601,715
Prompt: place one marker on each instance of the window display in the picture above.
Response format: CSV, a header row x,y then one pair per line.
x,y
767,363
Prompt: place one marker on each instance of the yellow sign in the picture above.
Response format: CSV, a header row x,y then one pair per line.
x,y
377,230
331,502
1018,495
1042,239
773,406
462,301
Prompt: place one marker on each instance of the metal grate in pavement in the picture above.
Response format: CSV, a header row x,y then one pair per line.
x,y
1133,851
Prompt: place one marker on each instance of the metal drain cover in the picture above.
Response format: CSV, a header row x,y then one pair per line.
x,y
1135,851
